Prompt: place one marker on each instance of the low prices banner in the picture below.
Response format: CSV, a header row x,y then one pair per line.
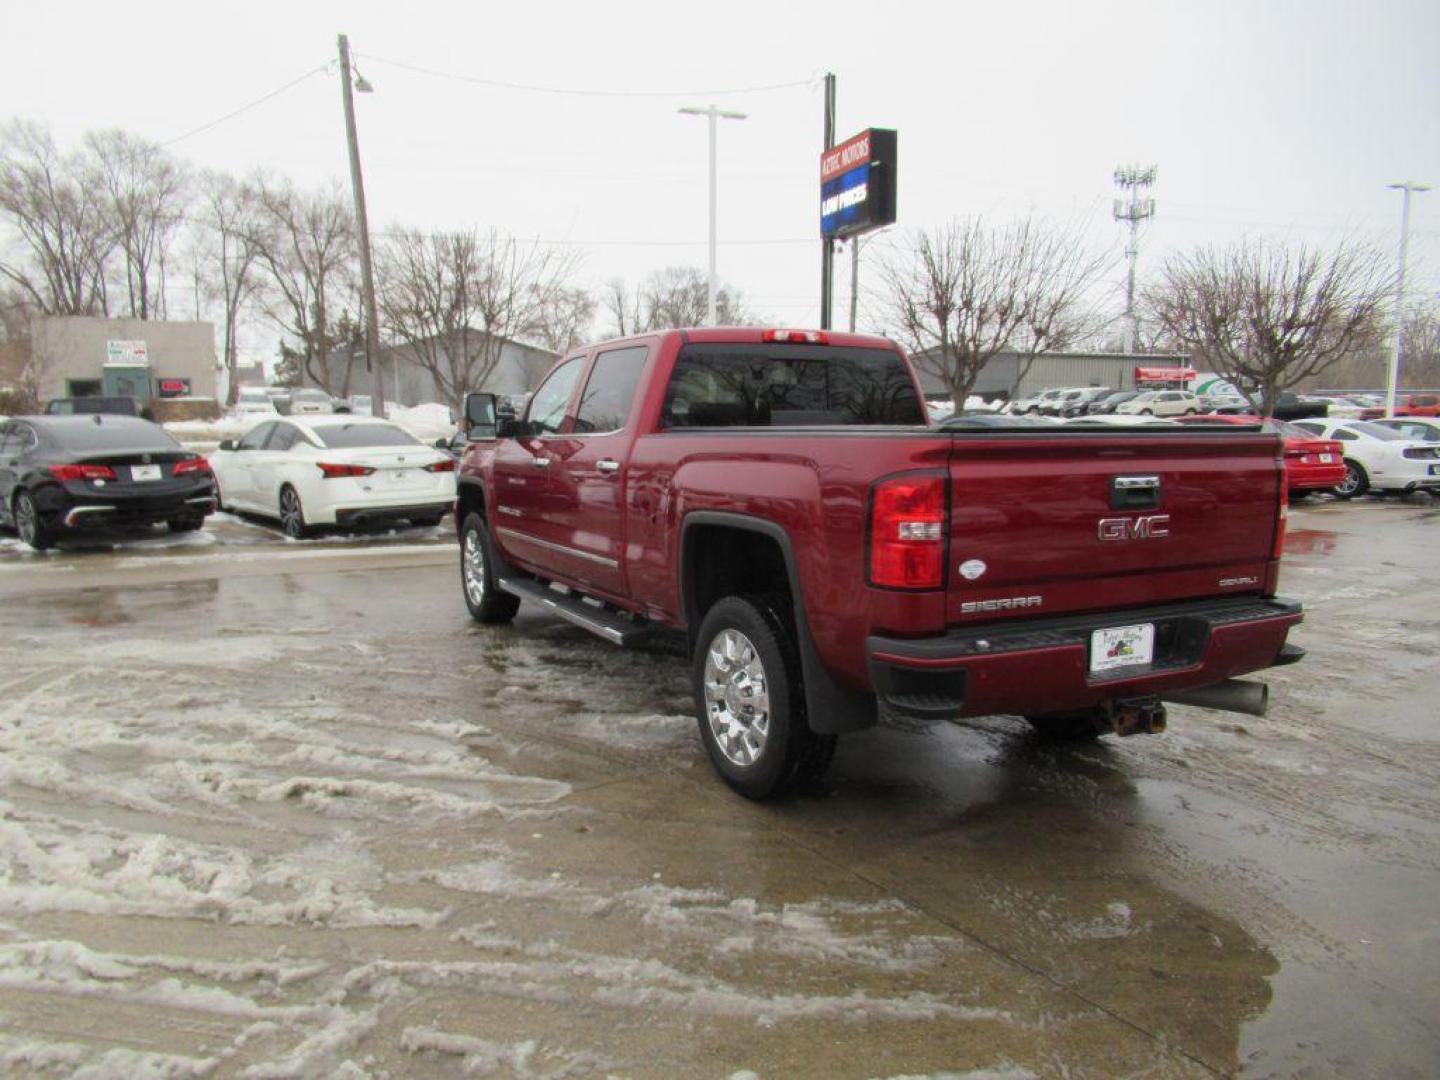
x,y
857,184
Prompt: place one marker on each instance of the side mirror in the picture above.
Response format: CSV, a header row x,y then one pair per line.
x,y
442,444
480,416
227,444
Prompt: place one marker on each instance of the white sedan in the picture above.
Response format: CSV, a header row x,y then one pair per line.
x,y
1378,457
334,470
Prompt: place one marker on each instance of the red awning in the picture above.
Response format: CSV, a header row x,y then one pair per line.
x,y
1164,374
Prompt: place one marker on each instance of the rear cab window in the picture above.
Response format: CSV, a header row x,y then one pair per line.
x,y
788,385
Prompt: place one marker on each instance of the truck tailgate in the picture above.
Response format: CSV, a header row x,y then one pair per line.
x,y
1048,525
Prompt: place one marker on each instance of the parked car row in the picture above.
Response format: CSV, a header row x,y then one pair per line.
x,y
281,401
61,475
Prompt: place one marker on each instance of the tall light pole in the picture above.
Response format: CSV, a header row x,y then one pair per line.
x,y
715,113
1408,187
1134,180
362,228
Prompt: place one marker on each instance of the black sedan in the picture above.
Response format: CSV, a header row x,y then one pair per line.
x,y
68,473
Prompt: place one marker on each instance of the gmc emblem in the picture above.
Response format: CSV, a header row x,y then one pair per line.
x,y
1146,527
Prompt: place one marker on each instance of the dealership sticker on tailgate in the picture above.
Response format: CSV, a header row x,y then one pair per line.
x,y
1122,646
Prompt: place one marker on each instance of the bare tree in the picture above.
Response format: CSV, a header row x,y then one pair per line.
x,y
679,296
622,306
971,290
563,320
455,299
65,234
231,223
145,192
1269,316
306,243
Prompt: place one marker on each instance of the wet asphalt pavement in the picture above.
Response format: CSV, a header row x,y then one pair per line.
x,y
274,809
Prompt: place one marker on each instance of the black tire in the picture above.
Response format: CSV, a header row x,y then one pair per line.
x,y
1189,412
1147,412
184,525
429,521
487,603
1356,482
745,640
1066,727
219,498
292,514
30,526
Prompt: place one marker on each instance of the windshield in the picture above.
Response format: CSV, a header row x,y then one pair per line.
x,y
311,395
349,436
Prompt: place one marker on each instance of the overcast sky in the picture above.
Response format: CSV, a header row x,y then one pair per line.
x,y
1282,118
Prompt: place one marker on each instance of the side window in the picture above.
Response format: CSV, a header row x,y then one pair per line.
x,y
256,439
610,390
547,407
284,437
1346,435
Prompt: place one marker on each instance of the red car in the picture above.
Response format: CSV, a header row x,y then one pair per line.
x,y
1311,463
1414,405
778,497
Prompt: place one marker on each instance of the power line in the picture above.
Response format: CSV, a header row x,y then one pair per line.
x,y
569,91
246,108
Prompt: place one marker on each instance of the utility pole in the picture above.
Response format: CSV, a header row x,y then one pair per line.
x,y
362,229
716,114
1133,179
1408,187
827,245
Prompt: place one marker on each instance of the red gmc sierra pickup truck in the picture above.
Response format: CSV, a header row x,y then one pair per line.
x,y
778,497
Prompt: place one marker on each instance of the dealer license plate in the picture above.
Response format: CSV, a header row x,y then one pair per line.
x,y
1122,646
144,472
1327,459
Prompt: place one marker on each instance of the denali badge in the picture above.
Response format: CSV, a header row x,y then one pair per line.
x,y
1145,527
1009,603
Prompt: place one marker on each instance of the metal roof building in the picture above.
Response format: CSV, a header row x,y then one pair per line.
x,y
1001,377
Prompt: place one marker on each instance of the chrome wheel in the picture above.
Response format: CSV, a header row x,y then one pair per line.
x,y
1350,484
26,525
737,698
472,566
292,517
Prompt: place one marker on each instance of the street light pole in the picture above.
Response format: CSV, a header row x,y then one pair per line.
x,y
1408,187
715,114
362,229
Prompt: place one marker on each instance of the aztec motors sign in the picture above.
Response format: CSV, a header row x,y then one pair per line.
x,y
857,184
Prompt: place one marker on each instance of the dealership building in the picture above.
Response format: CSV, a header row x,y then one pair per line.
x,y
78,356
1006,374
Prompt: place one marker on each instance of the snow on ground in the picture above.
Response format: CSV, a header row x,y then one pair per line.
x,y
273,836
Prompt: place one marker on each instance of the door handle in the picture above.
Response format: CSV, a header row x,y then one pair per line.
x,y
608,466
542,462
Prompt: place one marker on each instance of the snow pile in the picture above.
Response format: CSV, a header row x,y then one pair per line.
x,y
426,422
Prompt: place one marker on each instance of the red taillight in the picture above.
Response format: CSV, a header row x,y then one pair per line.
x,y
907,532
798,337
448,465
189,465
82,472
334,472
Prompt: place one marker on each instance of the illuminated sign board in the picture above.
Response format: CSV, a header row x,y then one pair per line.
x,y
170,388
857,184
